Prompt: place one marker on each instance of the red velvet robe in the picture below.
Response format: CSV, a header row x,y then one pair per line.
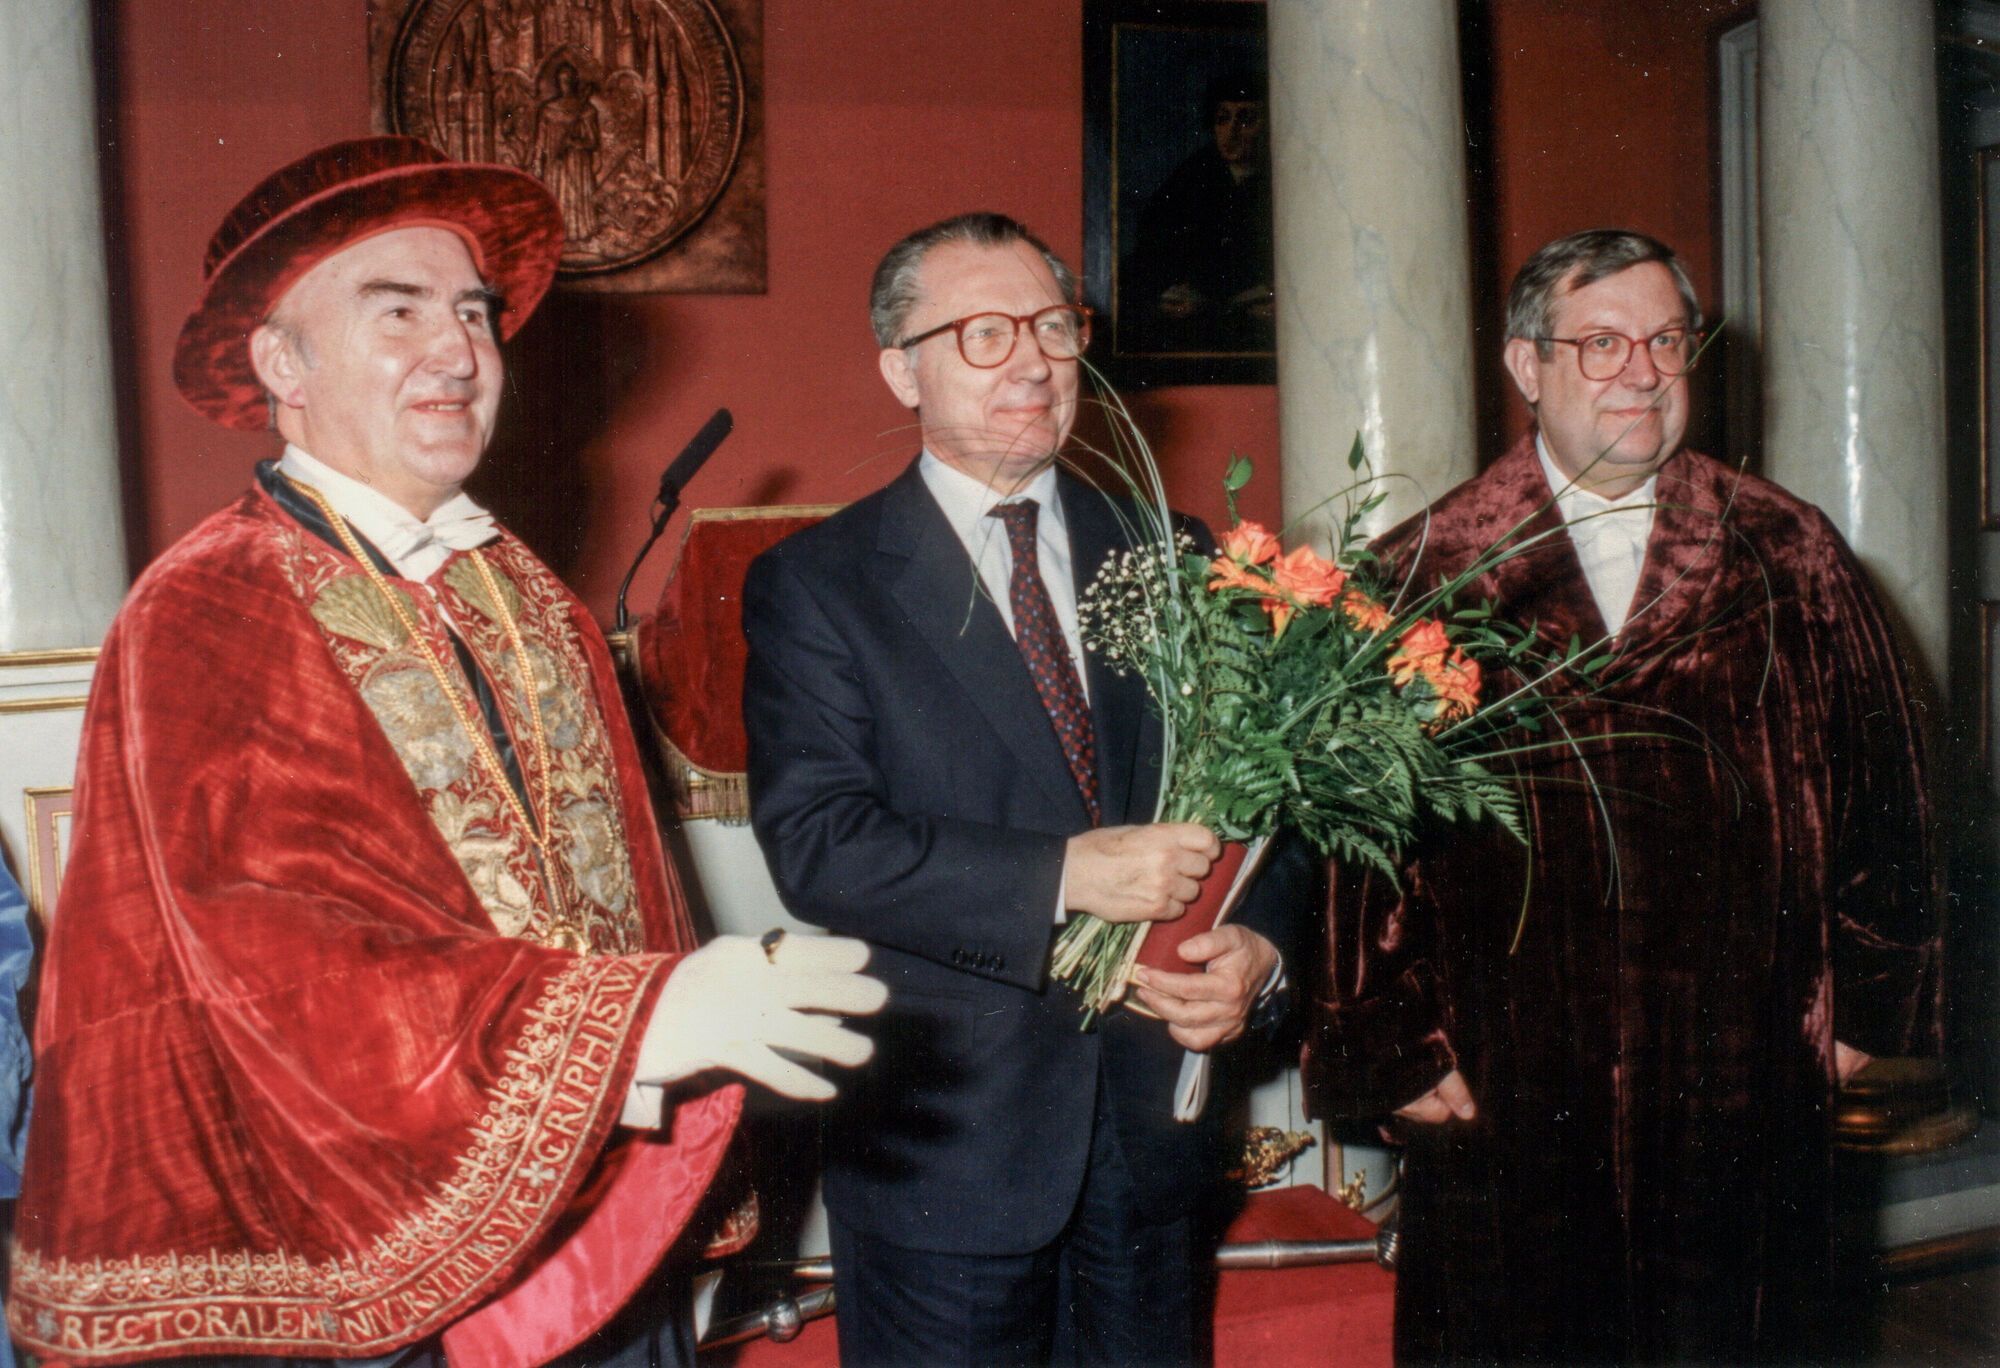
x,y
296,1093
1647,1177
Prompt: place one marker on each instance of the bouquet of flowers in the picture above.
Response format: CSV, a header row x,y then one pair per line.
x,y
1304,692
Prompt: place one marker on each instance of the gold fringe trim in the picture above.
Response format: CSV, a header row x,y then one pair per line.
x,y
747,512
697,792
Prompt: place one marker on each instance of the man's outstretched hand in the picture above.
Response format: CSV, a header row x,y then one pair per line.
x,y
730,1005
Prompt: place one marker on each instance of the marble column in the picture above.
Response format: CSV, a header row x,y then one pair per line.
x,y
1853,311
1373,278
62,543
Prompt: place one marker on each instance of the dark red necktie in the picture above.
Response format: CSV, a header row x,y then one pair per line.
x,y
1040,638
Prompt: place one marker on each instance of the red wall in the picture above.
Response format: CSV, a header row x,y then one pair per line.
x,y
869,133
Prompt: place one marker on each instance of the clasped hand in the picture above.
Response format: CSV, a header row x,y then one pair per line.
x,y
1208,1007
1137,873
731,1006
1450,1100
1151,873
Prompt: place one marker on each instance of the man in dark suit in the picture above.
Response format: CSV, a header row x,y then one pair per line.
x,y
937,767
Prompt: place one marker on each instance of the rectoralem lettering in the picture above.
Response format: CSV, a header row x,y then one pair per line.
x,y
249,1324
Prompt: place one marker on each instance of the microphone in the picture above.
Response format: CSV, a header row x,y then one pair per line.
x,y
692,458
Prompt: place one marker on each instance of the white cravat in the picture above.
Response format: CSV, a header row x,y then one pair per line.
x,y
1610,537
965,502
417,547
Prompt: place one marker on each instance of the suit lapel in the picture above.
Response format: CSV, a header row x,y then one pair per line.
x,y
1118,704
937,588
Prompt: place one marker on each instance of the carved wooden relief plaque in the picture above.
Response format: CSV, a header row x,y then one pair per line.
x,y
643,117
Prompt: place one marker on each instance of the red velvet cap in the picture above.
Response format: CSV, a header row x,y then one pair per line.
x,y
330,199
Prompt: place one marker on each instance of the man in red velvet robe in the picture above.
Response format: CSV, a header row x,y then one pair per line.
x,y
1619,1129
372,1026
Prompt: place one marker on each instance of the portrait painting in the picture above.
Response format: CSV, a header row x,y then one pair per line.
x,y
1177,175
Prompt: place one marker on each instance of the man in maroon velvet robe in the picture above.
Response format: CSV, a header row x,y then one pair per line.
x,y
372,1026
1619,1129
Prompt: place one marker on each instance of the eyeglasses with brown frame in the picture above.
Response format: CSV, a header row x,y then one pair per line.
x,y
986,340
1604,355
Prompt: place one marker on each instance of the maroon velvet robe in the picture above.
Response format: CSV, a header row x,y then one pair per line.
x,y
296,1093
1711,907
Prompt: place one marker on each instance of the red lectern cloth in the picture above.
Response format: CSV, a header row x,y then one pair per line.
x,y
1332,1316
691,648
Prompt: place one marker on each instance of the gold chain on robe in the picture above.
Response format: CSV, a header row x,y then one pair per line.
x,y
579,895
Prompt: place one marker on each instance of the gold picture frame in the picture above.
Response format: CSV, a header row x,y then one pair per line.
x,y
49,813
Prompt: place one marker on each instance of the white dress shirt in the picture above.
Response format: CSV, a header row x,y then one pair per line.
x,y
1610,537
417,547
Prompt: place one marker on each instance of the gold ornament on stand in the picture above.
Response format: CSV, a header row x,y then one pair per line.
x,y
1266,1150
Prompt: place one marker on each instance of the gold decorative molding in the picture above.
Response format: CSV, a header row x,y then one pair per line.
x,y
1266,1151
699,793
750,511
1946,1253
29,705
1900,1106
66,655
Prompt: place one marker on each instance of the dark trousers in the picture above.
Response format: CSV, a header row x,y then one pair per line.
x,y
1112,1291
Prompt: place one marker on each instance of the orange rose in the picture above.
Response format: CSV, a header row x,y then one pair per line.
x,y
1364,612
1423,644
1453,676
1309,579
1248,543
1230,574
1455,680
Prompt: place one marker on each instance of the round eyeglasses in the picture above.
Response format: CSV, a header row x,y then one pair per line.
x,y
986,340
1604,355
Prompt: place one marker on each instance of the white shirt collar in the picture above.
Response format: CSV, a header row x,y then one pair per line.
x,y
1571,495
417,547
965,500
